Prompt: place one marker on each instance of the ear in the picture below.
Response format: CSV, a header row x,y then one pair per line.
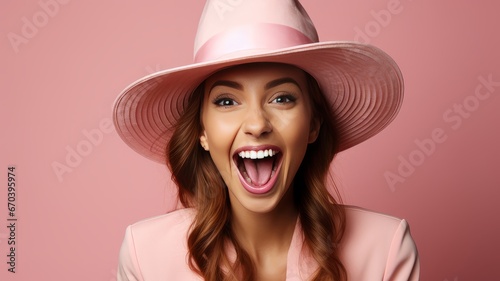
x,y
314,130
204,141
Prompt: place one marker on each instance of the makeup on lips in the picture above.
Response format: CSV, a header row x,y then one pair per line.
x,y
258,167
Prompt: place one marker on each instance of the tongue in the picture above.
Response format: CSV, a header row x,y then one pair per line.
x,y
260,170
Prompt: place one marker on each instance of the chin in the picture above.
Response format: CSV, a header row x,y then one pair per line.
x,y
261,203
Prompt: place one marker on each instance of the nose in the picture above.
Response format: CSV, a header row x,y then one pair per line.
x,y
257,123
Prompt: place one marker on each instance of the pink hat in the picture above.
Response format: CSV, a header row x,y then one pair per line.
x,y
362,83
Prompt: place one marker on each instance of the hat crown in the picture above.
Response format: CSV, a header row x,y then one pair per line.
x,y
231,28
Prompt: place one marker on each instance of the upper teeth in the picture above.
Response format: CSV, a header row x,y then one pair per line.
x,y
252,154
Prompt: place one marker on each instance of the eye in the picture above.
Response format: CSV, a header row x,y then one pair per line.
x,y
224,102
284,98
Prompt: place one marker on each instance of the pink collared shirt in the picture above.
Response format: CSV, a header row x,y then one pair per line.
x,y
375,247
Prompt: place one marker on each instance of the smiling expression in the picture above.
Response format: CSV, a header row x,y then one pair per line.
x,y
257,122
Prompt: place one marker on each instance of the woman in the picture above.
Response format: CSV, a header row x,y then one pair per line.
x,y
249,131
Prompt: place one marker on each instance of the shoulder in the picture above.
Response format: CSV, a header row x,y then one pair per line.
x,y
360,220
157,247
370,233
170,224
380,243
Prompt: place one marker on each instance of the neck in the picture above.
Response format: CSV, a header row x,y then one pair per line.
x,y
262,233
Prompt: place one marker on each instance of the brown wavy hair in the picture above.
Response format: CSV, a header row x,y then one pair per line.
x,y
200,186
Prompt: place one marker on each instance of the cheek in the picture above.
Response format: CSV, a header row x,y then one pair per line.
x,y
298,139
219,132
295,135
294,127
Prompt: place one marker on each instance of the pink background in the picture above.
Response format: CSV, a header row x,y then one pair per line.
x,y
61,76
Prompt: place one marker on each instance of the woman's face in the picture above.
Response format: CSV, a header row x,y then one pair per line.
x,y
257,122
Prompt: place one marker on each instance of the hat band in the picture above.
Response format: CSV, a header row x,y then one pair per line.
x,y
254,39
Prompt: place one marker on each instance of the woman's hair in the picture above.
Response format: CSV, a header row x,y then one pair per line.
x,y
201,186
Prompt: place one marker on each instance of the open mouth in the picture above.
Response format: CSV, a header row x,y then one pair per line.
x,y
258,168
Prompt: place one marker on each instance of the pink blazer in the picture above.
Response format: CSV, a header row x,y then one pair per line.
x,y
375,247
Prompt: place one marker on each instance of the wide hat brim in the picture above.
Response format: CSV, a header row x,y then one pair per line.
x,y
363,85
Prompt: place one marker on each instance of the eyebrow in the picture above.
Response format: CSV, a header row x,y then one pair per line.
x,y
280,81
269,85
227,83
